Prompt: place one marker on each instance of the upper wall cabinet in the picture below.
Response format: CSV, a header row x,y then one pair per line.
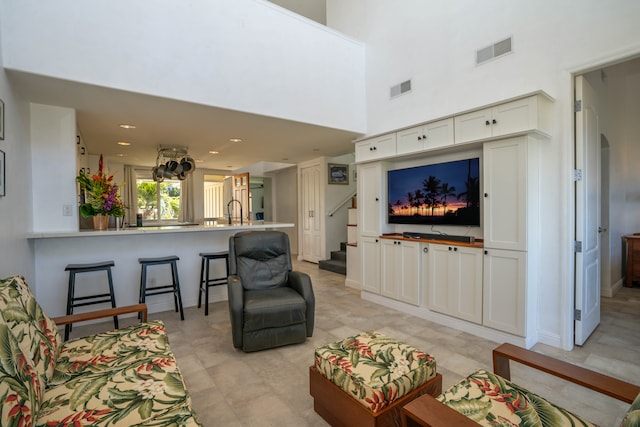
x,y
523,115
529,114
376,148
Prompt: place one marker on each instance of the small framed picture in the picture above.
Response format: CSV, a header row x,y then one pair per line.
x,y
1,119
338,174
2,174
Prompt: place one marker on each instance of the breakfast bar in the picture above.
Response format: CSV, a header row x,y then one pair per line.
x,y
55,250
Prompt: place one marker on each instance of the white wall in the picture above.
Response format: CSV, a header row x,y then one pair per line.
x,y
243,55
285,202
434,42
16,254
53,161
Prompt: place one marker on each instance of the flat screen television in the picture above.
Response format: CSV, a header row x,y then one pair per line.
x,y
438,194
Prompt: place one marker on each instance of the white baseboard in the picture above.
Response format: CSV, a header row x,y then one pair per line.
x,y
442,319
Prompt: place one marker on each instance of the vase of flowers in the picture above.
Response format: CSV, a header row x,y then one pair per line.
x,y
102,197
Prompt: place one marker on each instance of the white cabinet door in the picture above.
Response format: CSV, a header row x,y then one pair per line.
x,y
370,257
473,126
509,118
409,291
410,140
455,281
391,268
468,274
400,263
439,134
439,279
505,194
376,148
370,200
515,116
504,290
312,234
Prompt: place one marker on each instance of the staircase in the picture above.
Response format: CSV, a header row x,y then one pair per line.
x,y
338,261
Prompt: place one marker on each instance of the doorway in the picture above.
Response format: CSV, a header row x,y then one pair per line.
x,y
617,89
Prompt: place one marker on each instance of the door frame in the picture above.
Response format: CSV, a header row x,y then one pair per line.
x,y
567,297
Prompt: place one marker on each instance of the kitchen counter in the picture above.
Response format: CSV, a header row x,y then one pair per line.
x,y
161,229
55,250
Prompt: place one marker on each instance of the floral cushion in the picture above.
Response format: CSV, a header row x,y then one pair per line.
x,y
490,400
632,418
20,389
374,369
124,377
36,333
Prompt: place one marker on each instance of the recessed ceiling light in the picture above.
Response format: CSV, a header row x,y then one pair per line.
x,y
285,158
120,155
214,152
229,166
316,149
123,143
235,139
199,161
127,126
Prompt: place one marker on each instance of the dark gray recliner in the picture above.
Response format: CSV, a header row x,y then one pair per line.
x,y
269,304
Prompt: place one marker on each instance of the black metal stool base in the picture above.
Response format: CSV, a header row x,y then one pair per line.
x,y
205,281
173,288
73,301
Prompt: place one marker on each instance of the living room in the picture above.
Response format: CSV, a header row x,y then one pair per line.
x,y
431,44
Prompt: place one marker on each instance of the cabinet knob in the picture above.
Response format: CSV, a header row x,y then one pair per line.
x,y
455,249
425,250
377,199
486,252
494,121
450,248
375,148
419,138
486,194
424,136
487,123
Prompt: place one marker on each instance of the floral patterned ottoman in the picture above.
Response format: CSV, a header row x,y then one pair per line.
x,y
364,380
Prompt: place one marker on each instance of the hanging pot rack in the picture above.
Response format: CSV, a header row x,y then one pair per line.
x,y
172,162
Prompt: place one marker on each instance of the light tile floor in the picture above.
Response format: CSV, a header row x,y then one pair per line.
x,y
271,388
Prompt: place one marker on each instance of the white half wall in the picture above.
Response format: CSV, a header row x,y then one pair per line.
x,y
244,55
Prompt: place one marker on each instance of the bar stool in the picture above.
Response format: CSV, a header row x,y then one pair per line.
x,y
173,288
205,281
73,301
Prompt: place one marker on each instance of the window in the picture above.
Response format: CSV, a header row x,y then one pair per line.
x,y
158,201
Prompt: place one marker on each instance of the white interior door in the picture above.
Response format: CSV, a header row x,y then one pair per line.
x,y
587,286
311,214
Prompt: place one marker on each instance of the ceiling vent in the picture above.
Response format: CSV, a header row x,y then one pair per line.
x,y
496,50
400,89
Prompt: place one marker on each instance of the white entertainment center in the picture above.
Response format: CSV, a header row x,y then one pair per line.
x,y
486,287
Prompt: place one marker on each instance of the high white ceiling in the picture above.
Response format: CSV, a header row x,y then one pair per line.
x,y
166,122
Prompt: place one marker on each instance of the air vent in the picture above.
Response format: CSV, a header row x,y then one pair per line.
x,y
400,88
494,51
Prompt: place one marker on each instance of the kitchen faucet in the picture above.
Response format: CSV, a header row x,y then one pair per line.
x,y
229,210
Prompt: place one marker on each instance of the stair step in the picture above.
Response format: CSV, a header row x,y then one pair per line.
x,y
343,246
339,255
333,265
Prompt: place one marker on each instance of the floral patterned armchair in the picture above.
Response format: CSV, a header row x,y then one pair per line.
x,y
126,377
491,399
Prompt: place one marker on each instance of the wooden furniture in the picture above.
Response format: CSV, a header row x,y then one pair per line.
x,y
341,410
427,411
633,260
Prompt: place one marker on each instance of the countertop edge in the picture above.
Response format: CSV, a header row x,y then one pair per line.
x,y
112,232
